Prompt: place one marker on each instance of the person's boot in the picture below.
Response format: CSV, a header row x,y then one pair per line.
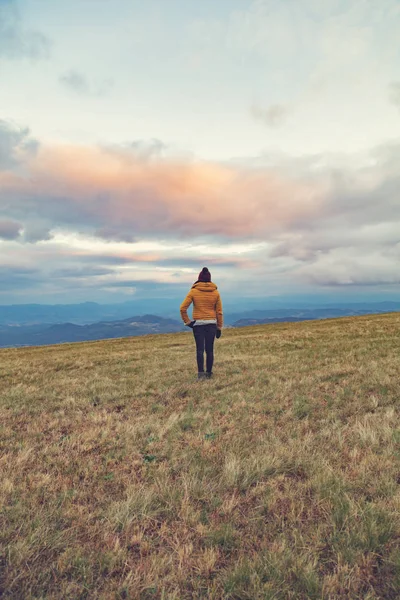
x,y
201,375
208,375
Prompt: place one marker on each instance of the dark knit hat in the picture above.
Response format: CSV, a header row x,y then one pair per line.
x,y
204,275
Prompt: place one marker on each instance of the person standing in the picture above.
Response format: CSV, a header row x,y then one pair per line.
x,y
207,319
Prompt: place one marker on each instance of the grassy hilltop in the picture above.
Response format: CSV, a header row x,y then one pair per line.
x,y
124,477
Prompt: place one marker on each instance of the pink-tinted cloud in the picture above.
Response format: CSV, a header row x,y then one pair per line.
x,y
116,191
312,216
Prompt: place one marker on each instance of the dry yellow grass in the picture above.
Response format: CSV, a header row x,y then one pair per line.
x,y
124,477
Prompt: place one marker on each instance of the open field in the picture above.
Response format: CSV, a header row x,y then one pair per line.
x,y
123,477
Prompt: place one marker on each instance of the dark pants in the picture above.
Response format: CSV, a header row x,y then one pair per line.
x,y
205,336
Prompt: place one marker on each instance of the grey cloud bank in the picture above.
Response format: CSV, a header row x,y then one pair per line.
x,y
9,230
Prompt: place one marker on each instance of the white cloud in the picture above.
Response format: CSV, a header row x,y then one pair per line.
x,y
272,116
350,266
394,93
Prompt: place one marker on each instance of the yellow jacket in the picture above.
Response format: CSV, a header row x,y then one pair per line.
x,y
206,303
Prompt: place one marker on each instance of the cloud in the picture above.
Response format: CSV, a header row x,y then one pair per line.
x,y
147,150
394,93
299,34
17,278
108,232
273,116
16,145
81,272
319,59
118,195
320,220
194,263
9,230
160,259
79,84
16,42
80,267
36,232
348,267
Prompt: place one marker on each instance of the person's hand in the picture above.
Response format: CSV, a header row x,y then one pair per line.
x,y
218,334
190,324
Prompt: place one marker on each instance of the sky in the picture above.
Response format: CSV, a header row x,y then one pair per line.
x,y
141,141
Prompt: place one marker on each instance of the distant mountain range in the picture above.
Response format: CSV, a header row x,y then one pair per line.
x,y
41,335
82,313
259,317
14,334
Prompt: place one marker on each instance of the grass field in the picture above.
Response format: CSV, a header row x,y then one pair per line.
x,y
122,476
